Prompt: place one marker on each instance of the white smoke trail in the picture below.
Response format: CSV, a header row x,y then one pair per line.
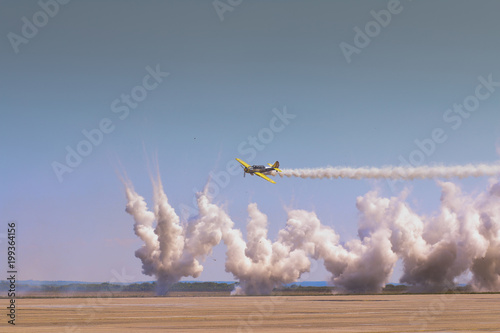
x,y
392,172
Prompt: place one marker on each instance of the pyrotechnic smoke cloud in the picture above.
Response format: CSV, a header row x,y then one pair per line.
x,y
462,237
391,172
259,264
171,250
436,249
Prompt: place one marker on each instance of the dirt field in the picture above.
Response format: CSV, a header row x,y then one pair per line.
x,y
360,313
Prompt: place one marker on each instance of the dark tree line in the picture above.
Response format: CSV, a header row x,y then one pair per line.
x,y
110,287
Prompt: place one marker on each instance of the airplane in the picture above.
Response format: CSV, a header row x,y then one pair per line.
x,y
259,170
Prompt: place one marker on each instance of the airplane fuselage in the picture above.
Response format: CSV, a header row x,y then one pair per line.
x,y
258,168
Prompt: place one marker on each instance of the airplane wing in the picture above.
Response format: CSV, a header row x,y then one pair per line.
x,y
245,164
265,177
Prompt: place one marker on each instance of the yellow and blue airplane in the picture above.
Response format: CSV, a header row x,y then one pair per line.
x,y
259,170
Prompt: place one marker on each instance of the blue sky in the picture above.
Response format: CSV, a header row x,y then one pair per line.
x,y
225,79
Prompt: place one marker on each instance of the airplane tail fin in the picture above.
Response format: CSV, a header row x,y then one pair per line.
x,y
276,165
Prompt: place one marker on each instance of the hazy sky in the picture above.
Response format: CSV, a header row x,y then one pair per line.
x,y
293,81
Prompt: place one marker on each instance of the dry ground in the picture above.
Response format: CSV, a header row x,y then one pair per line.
x,y
359,313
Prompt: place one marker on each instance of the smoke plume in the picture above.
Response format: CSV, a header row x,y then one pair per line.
x,y
391,172
171,250
462,238
259,264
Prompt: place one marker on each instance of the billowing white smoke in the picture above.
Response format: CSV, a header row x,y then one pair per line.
x,y
361,265
259,264
486,268
391,172
436,249
171,250
463,237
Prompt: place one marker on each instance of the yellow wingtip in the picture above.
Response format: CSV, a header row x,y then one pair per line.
x,y
243,162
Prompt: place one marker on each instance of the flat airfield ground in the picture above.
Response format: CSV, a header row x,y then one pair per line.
x,y
339,313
